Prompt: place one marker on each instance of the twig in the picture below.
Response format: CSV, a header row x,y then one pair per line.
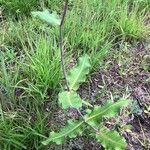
x,y
61,44
64,13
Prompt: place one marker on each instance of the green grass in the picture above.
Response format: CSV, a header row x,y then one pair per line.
x,y
131,23
42,64
19,131
30,71
17,7
88,26
8,78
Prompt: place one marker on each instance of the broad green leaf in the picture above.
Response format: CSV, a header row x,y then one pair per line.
x,y
71,130
51,18
77,75
110,109
70,100
111,140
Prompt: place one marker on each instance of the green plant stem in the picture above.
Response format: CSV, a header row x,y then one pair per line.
x,y
61,44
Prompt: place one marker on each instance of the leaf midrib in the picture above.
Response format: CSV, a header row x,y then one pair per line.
x,y
108,138
94,116
69,98
78,74
63,135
